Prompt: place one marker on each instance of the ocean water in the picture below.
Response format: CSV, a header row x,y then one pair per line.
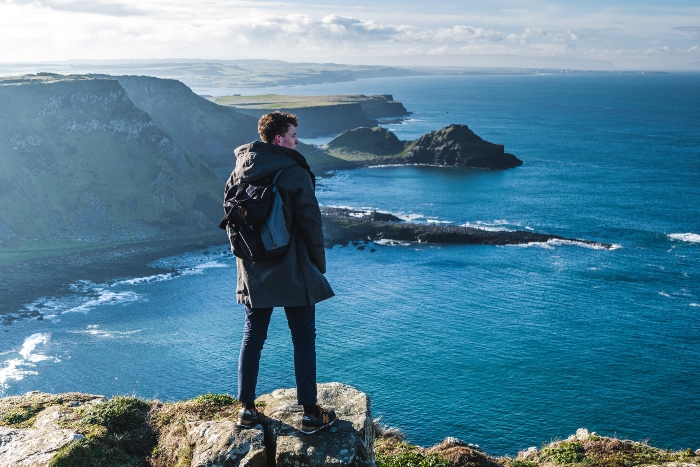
x,y
506,347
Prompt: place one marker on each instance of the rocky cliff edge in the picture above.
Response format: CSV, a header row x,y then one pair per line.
x,y
76,429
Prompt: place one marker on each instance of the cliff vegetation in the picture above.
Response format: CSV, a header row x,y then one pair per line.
x,y
76,430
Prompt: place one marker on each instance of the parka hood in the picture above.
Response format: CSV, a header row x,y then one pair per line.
x,y
258,160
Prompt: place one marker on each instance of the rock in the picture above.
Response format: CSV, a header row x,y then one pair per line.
x,y
529,452
459,452
376,141
582,434
341,226
457,145
221,442
348,442
34,447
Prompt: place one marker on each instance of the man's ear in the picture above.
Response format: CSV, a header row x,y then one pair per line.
x,y
277,140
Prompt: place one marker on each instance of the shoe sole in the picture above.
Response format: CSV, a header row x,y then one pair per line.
x,y
318,429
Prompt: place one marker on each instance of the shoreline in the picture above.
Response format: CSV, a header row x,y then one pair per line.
x,y
49,272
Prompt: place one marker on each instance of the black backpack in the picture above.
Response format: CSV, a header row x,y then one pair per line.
x,y
254,220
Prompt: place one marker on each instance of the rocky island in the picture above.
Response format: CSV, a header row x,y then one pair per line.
x,y
76,430
454,146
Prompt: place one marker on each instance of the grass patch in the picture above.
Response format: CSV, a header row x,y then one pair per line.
x,y
412,457
215,399
564,453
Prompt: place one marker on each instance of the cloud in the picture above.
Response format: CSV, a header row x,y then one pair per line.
x,y
86,6
33,30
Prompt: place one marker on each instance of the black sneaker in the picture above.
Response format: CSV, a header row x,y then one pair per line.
x,y
313,423
248,417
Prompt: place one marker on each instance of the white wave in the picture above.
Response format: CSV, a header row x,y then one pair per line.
x,y
695,304
367,211
388,241
664,294
200,268
93,330
685,237
15,369
591,246
105,297
436,221
187,261
146,280
554,242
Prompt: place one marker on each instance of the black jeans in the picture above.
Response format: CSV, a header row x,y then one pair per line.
x,y
302,323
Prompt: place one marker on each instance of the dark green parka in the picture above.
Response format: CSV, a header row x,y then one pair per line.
x,y
297,278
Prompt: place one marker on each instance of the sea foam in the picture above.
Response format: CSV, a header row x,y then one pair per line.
x,y
685,237
15,369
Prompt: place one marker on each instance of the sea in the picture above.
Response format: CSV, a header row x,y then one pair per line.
x,y
506,347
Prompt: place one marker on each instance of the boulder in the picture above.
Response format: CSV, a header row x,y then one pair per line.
x,y
34,447
348,442
222,443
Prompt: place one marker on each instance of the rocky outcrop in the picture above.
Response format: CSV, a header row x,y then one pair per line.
x,y
221,442
454,145
457,145
348,442
376,141
39,429
36,446
341,226
22,446
67,430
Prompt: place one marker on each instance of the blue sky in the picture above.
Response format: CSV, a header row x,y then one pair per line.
x,y
642,35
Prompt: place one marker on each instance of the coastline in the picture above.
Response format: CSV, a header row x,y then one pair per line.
x,y
50,271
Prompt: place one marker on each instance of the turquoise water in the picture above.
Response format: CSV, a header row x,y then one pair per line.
x,y
506,347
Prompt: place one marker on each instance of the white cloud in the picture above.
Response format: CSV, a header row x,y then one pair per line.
x,y
33,30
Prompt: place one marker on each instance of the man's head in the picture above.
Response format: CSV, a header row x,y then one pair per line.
x,y
279,128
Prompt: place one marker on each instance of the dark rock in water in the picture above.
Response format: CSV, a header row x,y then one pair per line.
x,y
376,141
457,145
454,145
341,226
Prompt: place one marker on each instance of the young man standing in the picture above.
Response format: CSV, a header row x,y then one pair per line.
x,y
295,281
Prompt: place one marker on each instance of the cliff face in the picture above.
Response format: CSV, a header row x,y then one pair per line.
x,y
79,161
207,130
321,120
322,115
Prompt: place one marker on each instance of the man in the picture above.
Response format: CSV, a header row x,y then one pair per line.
x,y
295,282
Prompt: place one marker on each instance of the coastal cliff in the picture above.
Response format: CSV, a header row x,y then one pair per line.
x,y
321,115
76,429
205,129
80,162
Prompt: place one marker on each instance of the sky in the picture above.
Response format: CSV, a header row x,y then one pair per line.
x,y
594,34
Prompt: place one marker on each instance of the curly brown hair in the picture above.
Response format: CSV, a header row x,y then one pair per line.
x,y
275,123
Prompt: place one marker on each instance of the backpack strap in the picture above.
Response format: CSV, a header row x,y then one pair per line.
x,y
274,180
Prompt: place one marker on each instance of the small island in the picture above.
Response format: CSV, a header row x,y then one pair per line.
x,y
454,146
